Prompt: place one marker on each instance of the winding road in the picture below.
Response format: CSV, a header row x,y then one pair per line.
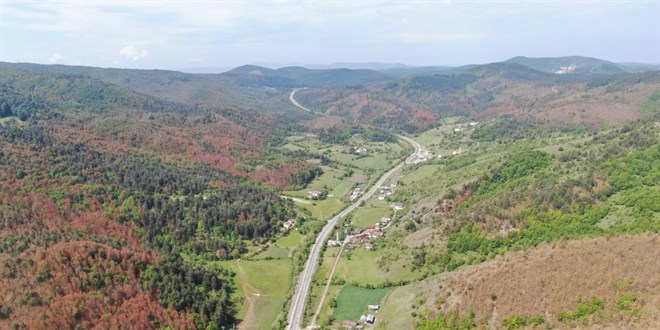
x,y
293,100
297,309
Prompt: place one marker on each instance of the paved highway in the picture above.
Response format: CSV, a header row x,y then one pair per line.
x,y
297,309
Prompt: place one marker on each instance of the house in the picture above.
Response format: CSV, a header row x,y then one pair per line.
x,y
397,206
373,307
370,319
314,194
381,197
360,150
474,123
332,242
384,221
289,224
376,234
369,246
355,193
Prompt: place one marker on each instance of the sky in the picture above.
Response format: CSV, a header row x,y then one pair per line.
x,y
224,34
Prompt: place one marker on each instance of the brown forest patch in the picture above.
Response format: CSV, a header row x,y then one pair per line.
x,y
552,279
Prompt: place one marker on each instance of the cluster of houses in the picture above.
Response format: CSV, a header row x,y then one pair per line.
x,y
423,156
365,320
386,191
354,194
365,236
371,232
462,127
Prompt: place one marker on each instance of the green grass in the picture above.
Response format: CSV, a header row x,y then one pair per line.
x,y
272,289
352,301
273,252
323,209
421,173
378,162
326,310
341,190
368,216
395,310
332,180
291,240
362,267
618,215
292,147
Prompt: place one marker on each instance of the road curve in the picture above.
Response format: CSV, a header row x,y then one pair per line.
x,y
297,308
293,100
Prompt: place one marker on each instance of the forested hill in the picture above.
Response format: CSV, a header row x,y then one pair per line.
x,y
415,103
103,188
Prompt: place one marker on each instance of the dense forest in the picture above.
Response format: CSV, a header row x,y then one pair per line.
x,y
91,227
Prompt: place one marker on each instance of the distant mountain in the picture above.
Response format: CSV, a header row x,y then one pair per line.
x,y
639,67
511,71
569,65
296,76
376,66
205,70
414,103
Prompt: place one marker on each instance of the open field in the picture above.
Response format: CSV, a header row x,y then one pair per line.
x,y
274,252
368,216
361,266
352,301
290,240
263,296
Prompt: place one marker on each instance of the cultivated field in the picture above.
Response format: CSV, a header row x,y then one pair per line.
x,y
352,301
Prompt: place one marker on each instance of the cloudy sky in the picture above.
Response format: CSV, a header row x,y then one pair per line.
x,y
178,34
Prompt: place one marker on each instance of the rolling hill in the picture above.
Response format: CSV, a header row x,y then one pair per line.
x,y
496,89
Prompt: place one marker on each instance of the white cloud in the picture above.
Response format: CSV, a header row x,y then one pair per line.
x,y
55,58
133,53
435,37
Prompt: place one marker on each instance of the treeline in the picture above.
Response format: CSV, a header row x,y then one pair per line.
x,y
181,285
30,93
508,128
305,176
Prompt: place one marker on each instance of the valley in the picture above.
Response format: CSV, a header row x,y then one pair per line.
x,y
427,201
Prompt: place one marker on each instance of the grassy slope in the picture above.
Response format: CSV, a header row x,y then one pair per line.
x,y
267,293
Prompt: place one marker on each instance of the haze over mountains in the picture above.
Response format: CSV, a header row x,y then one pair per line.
x,y
571,64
